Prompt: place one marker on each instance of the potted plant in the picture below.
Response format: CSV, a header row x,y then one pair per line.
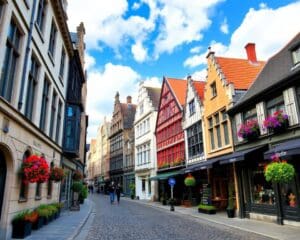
x,y
279,171
249,130
43,213
37,221
83,194
277,123
77,188
59,206
35,169
21,225
206,208
57,174
189,181
230,206
77,176
52,212
132,190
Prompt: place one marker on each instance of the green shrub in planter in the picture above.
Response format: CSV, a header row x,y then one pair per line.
x,y
208,209
189,181
279,172
21,226
77,187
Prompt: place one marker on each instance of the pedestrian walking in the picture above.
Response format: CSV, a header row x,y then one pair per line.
x,y
118,192
111,190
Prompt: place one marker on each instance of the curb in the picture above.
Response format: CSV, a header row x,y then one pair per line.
x,y
82,223
202,218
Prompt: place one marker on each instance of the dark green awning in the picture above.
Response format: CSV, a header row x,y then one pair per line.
x,y
165,176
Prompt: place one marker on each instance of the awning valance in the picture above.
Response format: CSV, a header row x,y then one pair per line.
x,y
164,176
240,155
287,148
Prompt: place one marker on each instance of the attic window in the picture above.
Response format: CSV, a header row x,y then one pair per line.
x,y
213,89
296,55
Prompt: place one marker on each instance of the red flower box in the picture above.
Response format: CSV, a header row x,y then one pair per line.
x,y
57,174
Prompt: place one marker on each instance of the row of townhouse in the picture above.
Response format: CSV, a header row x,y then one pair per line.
x,y
192,127
42,101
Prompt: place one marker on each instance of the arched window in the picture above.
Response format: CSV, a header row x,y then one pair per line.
x,y
24,187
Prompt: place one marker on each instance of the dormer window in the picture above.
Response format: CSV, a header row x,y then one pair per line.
x,y
213,89
296,55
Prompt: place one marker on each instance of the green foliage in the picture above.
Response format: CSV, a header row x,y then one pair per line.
x,y
84,192
52,209
189,181
280,172
58,205
77,187
230,196
20,216
132,189
206,207
43,211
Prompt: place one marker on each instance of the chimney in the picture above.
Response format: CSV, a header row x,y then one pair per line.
x,y
251,54
128,99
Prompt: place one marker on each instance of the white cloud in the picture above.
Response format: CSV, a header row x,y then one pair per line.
x,y
200,75
224,27
263,5
270,29
90,61
153,82
102,87
196,49
139,52
199,59
136,6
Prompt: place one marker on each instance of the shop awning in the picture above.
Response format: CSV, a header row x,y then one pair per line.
x,y
205,165
239,155
288,148
165,176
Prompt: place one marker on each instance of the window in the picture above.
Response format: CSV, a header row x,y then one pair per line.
x,y
1,7
262,191
141,109
192,107
143,185
225,126
10,61
218,130
53,113
296,56
24,187
57,135
195,142
62,64
41,14
49,189
31,88
211,133
213,89
275,104
250,114
45,99
52,39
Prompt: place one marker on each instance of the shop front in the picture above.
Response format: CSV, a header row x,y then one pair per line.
x,y
260,199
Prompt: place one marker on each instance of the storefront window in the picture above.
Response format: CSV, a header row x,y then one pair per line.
x,y
262,191
288,192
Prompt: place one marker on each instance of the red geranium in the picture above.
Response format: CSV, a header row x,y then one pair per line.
x,y
57,174
35,169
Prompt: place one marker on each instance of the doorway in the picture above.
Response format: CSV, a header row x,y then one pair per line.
x,y
2,179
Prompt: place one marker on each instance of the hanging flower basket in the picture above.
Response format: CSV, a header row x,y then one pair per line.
x,y
77,176
189,181
277,123
249,130
35,169
279,171
57,174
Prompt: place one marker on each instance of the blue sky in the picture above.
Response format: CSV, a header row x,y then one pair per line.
x,y
143,40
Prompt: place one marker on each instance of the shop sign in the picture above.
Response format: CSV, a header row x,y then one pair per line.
x,y
172,181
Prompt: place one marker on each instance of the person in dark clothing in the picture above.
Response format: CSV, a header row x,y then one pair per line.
x,y
111,190
118,192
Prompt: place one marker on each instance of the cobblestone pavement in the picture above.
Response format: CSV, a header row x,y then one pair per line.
x,y
136,221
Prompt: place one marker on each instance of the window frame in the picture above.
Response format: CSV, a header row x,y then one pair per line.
x,y
192,108
58,120
53,114
62,64
41,15
275,104
296,55
44,106
52,40
213,89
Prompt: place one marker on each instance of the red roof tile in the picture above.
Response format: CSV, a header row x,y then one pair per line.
x,y
240,72
199,86
179,88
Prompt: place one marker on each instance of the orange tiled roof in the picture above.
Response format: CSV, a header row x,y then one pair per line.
x,y
199,86
240,72
179,88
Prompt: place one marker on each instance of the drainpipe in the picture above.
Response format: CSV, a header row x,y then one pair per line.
x,y
20,103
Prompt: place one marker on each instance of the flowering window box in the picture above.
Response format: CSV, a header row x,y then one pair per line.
x,y
249,130
277,123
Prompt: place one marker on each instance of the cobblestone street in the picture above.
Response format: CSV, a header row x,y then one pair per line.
x,y
130,220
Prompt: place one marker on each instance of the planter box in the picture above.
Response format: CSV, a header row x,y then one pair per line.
x,y
186,203
38,224
212,211
230,213
21,229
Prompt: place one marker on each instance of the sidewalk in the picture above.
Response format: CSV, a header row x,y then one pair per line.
x,y
66,227
272,230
